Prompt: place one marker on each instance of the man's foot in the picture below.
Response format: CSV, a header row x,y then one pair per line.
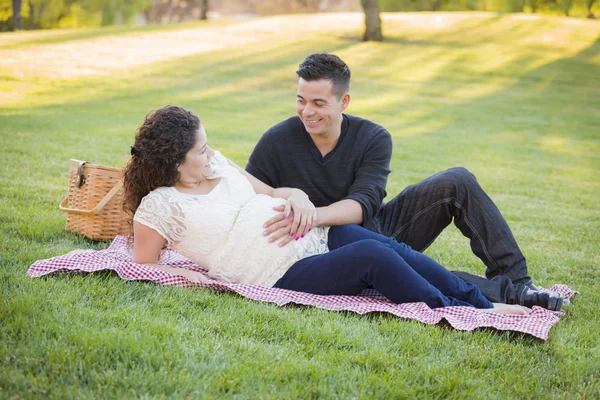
x,y
502,308
548,300
531,286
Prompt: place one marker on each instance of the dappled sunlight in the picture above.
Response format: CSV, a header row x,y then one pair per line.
x,y
109,54
465,56
433,77
430,21
473,90
565,36
564,145
553,143
106,55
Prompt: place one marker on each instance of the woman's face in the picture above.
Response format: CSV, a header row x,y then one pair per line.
x,y
196,167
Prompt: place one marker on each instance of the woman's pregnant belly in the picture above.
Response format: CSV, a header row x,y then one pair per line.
x,y
247,256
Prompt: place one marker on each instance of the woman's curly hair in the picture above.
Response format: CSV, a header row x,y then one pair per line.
x,y
160,146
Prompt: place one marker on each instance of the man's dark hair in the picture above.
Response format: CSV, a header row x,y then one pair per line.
x,y
326,66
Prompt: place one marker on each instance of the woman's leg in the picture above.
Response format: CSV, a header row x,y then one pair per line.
x,y
349,269
430,270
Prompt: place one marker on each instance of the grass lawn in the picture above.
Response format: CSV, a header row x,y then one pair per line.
x,y
514,99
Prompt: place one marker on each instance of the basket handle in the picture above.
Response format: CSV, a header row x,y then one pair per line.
x,y
96,209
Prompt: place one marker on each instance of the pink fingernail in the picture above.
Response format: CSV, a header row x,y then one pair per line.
x,y
292,234
297,238
302,237
309,229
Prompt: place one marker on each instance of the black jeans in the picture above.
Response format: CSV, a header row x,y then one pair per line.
x,y
419,214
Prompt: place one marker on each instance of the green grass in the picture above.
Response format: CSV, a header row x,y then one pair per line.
x,y
514,100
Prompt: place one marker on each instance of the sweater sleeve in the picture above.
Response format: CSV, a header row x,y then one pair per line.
x,y
370,179
259,164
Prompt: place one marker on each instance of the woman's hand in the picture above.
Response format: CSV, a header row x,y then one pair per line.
x,y
305,213
298,216
192,276
502,308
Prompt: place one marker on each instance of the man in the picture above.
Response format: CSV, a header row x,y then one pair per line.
x,y
342,163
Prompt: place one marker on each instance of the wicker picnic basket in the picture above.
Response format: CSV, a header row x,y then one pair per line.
x,y
93,205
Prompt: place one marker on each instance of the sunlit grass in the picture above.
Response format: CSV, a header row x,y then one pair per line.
x,y
513,99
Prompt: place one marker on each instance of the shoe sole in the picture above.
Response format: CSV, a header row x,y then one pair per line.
x,y
555,303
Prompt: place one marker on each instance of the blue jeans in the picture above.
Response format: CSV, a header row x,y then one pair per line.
x,y
360,259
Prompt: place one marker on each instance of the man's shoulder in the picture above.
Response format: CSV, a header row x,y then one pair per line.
x,y
365,128
286,127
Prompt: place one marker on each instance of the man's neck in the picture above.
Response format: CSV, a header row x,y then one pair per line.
x,y
326,143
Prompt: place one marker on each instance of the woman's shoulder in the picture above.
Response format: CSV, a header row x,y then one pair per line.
x,y
162,192
161,210
160,199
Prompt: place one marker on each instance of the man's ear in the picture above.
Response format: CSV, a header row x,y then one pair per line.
x,y
345,101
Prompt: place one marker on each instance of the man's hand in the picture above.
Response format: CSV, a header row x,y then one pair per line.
x,y
298,217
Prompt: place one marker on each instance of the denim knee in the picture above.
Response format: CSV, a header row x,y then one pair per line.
x,y
372,252
461,176
461,180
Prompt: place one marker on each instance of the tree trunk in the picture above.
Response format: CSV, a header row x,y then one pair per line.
x,y
203,10
372,21
35,15
588,6
31,15
566,4
17,19
533,5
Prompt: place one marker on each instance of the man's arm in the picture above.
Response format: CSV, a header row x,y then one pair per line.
x,y
340,213
365,195
259,164
368,188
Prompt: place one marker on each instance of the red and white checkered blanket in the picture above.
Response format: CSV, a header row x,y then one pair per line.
x,y
118,258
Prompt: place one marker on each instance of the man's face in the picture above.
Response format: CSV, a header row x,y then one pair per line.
x,y
318,108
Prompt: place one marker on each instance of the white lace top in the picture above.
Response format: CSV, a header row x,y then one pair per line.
x,y
223,230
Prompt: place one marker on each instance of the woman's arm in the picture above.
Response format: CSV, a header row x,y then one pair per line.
x,y
148,243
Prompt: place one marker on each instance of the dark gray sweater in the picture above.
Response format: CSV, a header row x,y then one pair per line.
x,y
357,168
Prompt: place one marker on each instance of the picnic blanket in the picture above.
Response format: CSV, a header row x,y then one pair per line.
x,y
118,256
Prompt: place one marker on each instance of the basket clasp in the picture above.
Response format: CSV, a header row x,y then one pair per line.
x,y
80,176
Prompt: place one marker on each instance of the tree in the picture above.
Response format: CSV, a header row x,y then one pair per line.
x,y
203,10
566,6
588,6
48,13
372,21
17,19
